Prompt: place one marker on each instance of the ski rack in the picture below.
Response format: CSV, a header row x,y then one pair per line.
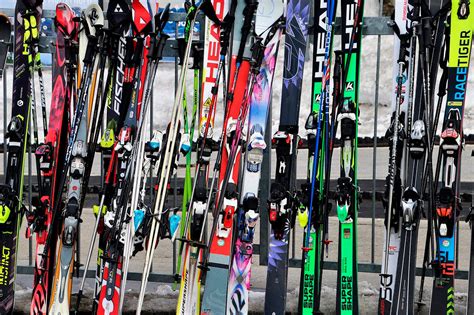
x,y
376,26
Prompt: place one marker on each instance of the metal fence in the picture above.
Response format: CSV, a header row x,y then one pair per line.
x,y
371,26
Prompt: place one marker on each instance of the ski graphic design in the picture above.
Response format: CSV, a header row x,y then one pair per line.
x,y
347,194
447,199
281,203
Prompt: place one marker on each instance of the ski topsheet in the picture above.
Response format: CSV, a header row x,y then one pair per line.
x,y
269,27
281,212
400,92
51,155
11,200
222,233
447,207
347,195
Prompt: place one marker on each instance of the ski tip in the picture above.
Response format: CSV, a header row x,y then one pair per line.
x,y
65,19
119,15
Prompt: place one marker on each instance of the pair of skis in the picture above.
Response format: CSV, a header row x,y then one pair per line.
x,y
322,128
411,179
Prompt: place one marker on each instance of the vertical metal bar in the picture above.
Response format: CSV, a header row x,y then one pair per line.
x,y
374,148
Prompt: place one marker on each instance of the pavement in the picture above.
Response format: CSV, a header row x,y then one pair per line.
x,y
161,298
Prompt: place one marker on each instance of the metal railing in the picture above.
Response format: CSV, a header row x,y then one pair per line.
x,y
372,26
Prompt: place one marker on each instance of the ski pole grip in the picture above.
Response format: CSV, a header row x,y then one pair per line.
x,y
224,37
427,32
90,51
249,12
138,51
161,45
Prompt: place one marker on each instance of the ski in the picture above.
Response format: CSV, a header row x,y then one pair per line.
x,y
447,207
269,27
281,203
51,155
403,53
133,133
425,31
11,193
469,219
119,18
92,20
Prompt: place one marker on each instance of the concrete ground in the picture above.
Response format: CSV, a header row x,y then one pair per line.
x,y
161,298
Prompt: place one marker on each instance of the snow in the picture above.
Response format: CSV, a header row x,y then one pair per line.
x,y
165,85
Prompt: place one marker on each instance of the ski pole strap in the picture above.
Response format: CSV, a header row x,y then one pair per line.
x,y
249,12
197,52
258,50
226,29
427,31
272,29
157,44
208,9
137,55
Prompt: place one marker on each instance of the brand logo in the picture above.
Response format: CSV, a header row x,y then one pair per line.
x,y
346,293
120,75
385,287
320,48
350,17
446,243
350,86
93,16
460,83
347,233
213,52
308,287
4,266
